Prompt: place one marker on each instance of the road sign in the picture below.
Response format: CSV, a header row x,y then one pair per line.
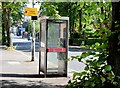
x,y
31,12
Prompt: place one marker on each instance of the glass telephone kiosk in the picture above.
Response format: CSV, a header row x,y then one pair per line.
x,y
53,46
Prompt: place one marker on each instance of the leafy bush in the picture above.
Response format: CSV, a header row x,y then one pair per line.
x,y
97,72
88,41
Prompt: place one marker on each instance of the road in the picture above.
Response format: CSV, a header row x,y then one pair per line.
x,y
25,46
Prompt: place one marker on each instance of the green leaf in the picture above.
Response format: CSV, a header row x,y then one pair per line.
x,y
119,37
83,73
84,55
76,74
79,59
108,68
97,44
75,57
86,68
92,84
93,63
115,83
87,83
103,79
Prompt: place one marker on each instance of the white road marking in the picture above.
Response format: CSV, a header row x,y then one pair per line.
x,y
13,62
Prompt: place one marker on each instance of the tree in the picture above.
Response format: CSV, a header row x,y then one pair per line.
x,y
114,41
49,9
83,15
9,9
6,22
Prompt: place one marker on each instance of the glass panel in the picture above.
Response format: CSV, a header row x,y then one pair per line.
x,y
53,35
56,62
52,62
61,63
42,61
63,30
63,35
56,35
43,30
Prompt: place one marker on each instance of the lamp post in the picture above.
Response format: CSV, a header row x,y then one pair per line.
x,y
33,35
33,31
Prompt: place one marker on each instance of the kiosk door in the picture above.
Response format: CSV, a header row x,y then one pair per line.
x,y
57,47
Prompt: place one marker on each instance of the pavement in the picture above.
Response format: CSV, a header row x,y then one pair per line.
x,y
17,71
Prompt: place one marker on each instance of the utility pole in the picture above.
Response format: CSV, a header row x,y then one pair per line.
x,y
33,35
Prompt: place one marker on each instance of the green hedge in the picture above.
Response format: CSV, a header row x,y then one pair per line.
x,y
89,41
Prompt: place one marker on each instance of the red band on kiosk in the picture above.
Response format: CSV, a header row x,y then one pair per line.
x,y
56,49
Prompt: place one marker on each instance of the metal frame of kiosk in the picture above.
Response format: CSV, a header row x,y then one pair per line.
x,y
53,46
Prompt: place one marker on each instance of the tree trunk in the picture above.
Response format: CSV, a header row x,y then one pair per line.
x,y
3,24
8,29
6,24
114,52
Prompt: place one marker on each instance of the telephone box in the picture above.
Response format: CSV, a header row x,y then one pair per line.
x,y
53,46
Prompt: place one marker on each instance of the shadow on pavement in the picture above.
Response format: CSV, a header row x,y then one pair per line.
x,y
27,84
22,75
28,81
30,75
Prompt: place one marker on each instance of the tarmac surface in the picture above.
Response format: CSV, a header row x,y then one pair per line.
x,y
17,71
